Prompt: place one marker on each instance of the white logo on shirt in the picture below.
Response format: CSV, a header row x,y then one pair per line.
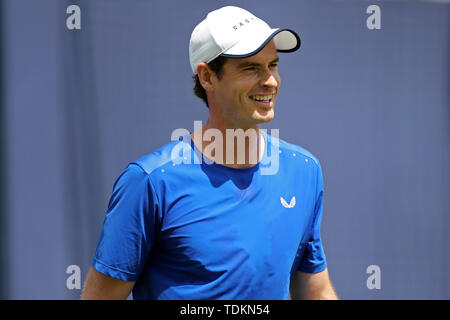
x,y
286,205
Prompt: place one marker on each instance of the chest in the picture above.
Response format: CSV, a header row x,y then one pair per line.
x,y
255,223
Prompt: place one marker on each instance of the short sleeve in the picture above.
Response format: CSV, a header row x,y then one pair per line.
x,y
128,232
313,259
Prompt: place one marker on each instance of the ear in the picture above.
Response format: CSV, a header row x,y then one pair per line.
x,y
205,76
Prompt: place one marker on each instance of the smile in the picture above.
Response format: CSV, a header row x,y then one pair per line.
x,y
260,98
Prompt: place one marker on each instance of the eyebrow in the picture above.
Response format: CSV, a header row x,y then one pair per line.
x,y
255,64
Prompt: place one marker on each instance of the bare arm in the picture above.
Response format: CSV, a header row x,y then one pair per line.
x,y
312,286
101,287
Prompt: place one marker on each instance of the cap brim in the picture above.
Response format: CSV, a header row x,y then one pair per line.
x,y
286,40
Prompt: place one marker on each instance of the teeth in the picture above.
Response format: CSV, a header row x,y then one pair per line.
x,y
262,98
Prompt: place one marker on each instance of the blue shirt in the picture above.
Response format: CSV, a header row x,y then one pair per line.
x,y
207,231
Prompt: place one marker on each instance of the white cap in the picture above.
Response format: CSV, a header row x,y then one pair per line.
x,y
235,33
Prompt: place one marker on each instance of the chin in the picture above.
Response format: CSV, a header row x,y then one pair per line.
x,y
265,116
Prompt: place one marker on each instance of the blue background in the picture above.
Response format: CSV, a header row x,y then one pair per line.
x,y
372,105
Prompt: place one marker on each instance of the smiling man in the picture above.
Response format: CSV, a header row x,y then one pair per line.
x,y
245,93
221,229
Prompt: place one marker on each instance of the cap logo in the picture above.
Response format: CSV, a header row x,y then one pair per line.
x,y
242,23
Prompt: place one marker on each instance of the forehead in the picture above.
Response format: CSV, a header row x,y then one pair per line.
x,y
265,56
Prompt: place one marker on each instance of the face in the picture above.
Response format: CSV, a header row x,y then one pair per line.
x,y
247,91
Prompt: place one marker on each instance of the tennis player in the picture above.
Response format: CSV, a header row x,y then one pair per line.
x,y
221,228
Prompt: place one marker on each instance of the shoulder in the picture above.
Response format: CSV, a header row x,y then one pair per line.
x,y
143,174
147,168
285,146
159,158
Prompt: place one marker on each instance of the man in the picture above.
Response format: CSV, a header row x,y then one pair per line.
x,y
219,229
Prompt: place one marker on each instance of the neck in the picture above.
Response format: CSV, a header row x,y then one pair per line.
x,y
230,145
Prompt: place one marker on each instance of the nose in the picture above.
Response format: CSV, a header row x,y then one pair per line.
x,y
269,79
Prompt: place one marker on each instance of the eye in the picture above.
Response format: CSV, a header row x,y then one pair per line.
x,y
274,65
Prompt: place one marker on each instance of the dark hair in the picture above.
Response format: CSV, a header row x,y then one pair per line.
x,y
217,67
